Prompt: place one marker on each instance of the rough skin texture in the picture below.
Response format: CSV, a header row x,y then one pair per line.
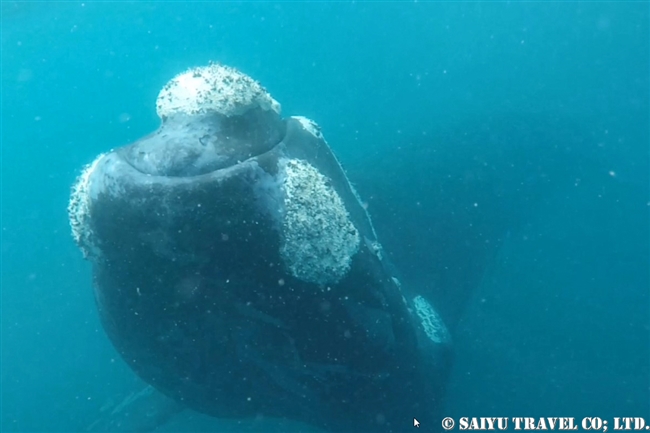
x,y
79,211
431,321
319,239
213,88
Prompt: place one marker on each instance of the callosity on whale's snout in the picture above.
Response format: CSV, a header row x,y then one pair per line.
x,y
236,271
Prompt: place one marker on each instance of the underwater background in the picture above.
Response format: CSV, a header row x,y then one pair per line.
x,y
502,149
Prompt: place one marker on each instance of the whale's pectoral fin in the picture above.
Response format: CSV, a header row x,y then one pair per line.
x,y
141,411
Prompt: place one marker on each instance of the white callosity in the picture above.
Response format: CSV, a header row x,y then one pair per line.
x,y
213,88
432,323
319,239
315,130
79,211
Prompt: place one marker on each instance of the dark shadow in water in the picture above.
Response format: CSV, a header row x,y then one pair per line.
x,y
443,202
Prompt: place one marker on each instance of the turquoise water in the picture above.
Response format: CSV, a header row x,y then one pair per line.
x,y
502,149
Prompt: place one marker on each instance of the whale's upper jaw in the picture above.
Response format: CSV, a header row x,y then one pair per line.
x,y
185,152
186,146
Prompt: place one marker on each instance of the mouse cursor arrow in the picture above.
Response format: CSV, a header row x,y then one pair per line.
x,y
416,423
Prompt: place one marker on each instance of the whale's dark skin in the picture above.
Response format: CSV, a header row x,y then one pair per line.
x,y
192,290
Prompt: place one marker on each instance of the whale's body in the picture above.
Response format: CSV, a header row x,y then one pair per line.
x,y
237,272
